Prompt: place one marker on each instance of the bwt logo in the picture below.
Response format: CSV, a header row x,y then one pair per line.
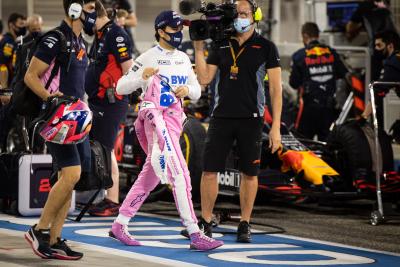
x,y
166,97
166,140
162,162
176,79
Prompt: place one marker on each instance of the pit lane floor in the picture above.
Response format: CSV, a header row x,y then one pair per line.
x,y
164,247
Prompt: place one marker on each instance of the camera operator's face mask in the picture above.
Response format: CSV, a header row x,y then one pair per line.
x,y
242,25
175,38
89,22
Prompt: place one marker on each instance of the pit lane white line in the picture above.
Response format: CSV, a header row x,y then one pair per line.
x,y
329,243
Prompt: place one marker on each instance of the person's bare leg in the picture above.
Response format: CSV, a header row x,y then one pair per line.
x,y
208,193
59,195
113,192
58,222
248,193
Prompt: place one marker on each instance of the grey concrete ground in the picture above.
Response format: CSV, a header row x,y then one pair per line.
x,y
15,252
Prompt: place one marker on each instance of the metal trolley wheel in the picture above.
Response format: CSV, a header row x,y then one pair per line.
x,y
376,218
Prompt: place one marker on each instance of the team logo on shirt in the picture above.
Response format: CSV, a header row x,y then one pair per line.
x,y
8,49
175,79
163,62
119,39
50,41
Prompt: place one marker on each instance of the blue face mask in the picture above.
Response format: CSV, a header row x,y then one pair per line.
x,y
89,22
175,39
242,25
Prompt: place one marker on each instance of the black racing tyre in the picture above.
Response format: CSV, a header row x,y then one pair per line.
x,y
352,157
14,141
192,145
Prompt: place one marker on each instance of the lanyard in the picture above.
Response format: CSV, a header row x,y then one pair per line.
x,y
234,57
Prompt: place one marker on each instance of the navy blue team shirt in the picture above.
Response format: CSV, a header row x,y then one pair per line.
x,y
111,48
72,75
7,54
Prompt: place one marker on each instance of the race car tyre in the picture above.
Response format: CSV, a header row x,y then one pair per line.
x,y
192,145
351,155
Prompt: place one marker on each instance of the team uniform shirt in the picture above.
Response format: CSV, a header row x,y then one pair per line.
x,y
8,55
316,68
72,75
391,68
243,97
390,73
110,49
174,67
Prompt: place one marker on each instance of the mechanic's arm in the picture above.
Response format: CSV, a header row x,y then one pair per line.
x,y
32,78
339,67
4,76
275,90
205,72
296,77
126,65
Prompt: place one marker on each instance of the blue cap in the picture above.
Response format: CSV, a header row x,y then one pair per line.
x,y
168,18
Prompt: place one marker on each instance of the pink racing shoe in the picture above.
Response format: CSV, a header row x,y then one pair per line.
x,y
200,241
120,232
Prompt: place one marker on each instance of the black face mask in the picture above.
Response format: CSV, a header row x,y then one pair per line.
x,y
381,54
89,22
19,31
35,34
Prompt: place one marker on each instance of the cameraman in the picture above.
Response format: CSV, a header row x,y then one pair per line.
x,y
110,57
243,62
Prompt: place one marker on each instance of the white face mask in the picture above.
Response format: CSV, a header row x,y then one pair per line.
x,y
242,25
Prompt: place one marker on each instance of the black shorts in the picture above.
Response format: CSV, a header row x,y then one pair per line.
x,y
106,121
220,139
70,155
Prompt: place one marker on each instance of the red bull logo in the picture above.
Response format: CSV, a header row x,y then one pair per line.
x,y
318,51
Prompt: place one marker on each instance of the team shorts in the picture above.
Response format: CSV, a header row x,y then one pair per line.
x,y
70,155
221,135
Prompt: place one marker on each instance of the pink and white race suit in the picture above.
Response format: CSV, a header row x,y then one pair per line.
x,y
158,127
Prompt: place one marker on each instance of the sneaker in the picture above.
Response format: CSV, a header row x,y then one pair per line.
x,y
120,232
243,232
62,251
39,241
200,241
204,226
104,208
